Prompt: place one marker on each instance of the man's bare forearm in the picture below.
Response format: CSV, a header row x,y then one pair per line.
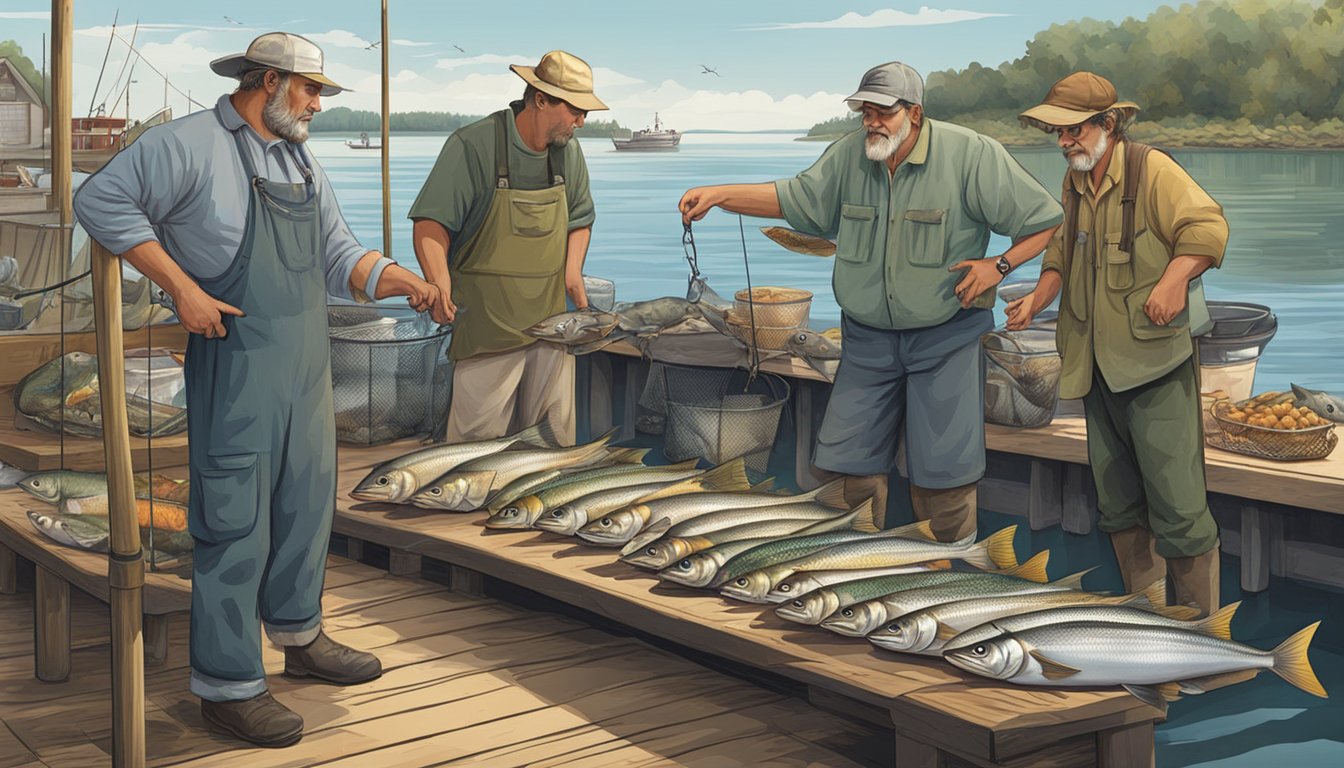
x,y
1026,248
431,250
150,260
576,251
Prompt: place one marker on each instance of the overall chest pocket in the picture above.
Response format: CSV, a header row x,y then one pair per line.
x,y
922,238
533,218
1119,265
857,223
293,226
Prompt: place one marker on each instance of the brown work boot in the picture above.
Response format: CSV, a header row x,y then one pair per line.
x,y
328,660
1136,553
950,511
260,720
860,488
1195,580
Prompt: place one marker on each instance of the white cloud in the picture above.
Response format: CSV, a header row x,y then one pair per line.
x,y
40,15
410,43
888,17
459,62
125,30
685,109
339,38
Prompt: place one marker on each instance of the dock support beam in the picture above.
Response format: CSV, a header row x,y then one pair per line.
x,y
51,623
9,571
915,754
156,639
805,424
1045,507
403,563
466,581
1128,747
1254,548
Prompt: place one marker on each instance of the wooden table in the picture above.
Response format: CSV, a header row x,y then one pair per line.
x,y
936,710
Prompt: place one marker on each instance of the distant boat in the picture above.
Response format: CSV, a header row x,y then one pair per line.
x,y
655,140
363,142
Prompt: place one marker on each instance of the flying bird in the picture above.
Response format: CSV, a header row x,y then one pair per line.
x,y
707,71
373,45
458,48
233,21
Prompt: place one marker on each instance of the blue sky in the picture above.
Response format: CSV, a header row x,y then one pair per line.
x,y
781,64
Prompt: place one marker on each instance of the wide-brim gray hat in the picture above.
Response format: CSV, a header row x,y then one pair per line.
x,y
283,52
886,84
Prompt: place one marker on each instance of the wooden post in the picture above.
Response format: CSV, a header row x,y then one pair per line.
x,y
1127,747
916,754
601,387
466,581
51,627
1044,506
62,44
354,549
9,571
1079,506
387,148
156,639
403,563
1254,548
126,569
805,427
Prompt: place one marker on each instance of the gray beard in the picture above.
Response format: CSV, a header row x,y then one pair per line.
x,y
1090,157
280,121
880,148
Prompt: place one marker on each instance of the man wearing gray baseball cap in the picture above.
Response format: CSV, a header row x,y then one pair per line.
x,y
912,202
228,212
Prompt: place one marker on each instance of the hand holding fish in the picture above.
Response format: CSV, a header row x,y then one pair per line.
x,y
981,275
201,313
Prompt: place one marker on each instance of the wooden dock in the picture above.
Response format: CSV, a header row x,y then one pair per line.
x,y
467,681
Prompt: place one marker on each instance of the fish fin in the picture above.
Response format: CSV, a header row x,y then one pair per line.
x,y
837,523
78,396
863,512
1073,580
1208,683
922,529
1153,595
1291,662
1034,568
995,552
1180,613
627,455
651,533
831,494
1051,669
1219,623
1154,696
765,486
946,633
688,464
728,476
596,346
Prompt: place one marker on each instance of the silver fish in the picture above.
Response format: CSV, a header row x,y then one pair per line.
x,y
1324,404
467,486
612,491
787,548
669,549
574,328
810,581
698,570
1217,624
401,478
1152,662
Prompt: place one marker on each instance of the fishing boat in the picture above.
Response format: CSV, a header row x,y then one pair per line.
x,y
654,139
364,142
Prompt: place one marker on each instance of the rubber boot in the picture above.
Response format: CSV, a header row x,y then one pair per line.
x,y
860,488
951,511
1195,580
1136,553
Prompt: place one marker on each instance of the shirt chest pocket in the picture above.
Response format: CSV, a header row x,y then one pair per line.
x,y
1118,264
857,223
923,242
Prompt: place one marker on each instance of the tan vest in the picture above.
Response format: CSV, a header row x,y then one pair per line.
x,y
511,273
1101,319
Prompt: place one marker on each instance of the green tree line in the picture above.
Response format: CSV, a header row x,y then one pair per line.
x,y
346,120
1262,61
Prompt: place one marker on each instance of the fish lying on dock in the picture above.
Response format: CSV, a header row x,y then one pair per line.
x,y
401,478
586,331
1323,404
56,485
669,549
92,534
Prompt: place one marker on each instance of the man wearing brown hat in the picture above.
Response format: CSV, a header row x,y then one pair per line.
x,y
230,214
912,202
1132,304
502,227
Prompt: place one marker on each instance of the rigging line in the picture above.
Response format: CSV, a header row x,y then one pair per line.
x,y
751,305
150,64
106,53
62,284
124,62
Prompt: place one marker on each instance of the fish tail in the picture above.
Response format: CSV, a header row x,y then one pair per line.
x,y
920,530
832,494
1219,623
540,435
765,486
1152,596
995,552
1291,662
627,455
729,476
1034,569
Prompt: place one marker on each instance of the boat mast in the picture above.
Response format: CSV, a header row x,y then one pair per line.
x,y
386,149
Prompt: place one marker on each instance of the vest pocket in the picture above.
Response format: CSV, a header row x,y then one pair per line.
x,y
226,507
533,218
1142,327
922,237
1119,264
855,240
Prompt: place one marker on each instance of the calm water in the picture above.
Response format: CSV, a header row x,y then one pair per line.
x,y
1286,211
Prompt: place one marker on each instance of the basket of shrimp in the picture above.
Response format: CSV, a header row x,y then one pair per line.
x,y
1270,426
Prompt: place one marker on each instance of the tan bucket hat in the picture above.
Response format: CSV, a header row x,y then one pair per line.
x,y
279,51
564,76
1076,99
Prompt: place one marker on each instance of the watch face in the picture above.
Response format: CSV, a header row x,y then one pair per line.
x,y
1003,266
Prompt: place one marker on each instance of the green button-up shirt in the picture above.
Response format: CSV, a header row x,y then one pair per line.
x,y
897,234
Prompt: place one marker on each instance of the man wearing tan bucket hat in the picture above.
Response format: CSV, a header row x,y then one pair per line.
x,y
228,211
502,226
1138,233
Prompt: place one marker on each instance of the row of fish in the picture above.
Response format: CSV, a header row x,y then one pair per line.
x,y
989,615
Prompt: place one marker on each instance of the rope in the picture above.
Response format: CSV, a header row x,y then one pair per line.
x,y
751,306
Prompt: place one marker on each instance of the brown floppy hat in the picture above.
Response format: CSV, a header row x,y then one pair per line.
x,y
1076,99
564,76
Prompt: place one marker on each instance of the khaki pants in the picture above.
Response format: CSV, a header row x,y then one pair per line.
x,y
499,394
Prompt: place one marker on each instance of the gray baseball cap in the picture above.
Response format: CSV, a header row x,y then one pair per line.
x,y
280,51
886,84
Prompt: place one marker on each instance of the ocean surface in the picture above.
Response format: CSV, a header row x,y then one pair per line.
x,y
1285,210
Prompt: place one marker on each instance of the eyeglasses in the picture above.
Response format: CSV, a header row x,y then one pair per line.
x,y
1072,131
870,112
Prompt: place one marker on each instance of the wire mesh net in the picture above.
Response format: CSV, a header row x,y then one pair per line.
x,y
716,414
1269,443
389,373
1021,378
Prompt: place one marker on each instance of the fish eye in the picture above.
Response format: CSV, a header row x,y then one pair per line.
x,y
684,565
1329,407
847,613
797,603
606,522
979,650
741,582
556,513
785,588
653,551
510,512
895,629
436,491
383,480
801,337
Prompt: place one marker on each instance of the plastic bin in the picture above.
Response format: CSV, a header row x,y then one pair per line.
x,y
1228,353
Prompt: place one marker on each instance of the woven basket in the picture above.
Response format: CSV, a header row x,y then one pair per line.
x,y
774,307
1267,443
767,337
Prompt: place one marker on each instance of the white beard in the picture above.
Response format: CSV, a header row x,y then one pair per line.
x,y
1088,159
879,148
280,121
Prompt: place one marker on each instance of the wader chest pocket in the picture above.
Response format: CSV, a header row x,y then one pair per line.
x,y
1119,264
228,497
922,237
855,242
533,218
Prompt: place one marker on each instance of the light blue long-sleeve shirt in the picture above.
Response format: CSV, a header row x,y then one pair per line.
x,y
183,184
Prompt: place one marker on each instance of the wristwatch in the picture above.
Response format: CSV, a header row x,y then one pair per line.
x,y
1003,266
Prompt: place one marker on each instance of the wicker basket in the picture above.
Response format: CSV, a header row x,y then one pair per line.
x,y
767,337
774,307
1267,443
